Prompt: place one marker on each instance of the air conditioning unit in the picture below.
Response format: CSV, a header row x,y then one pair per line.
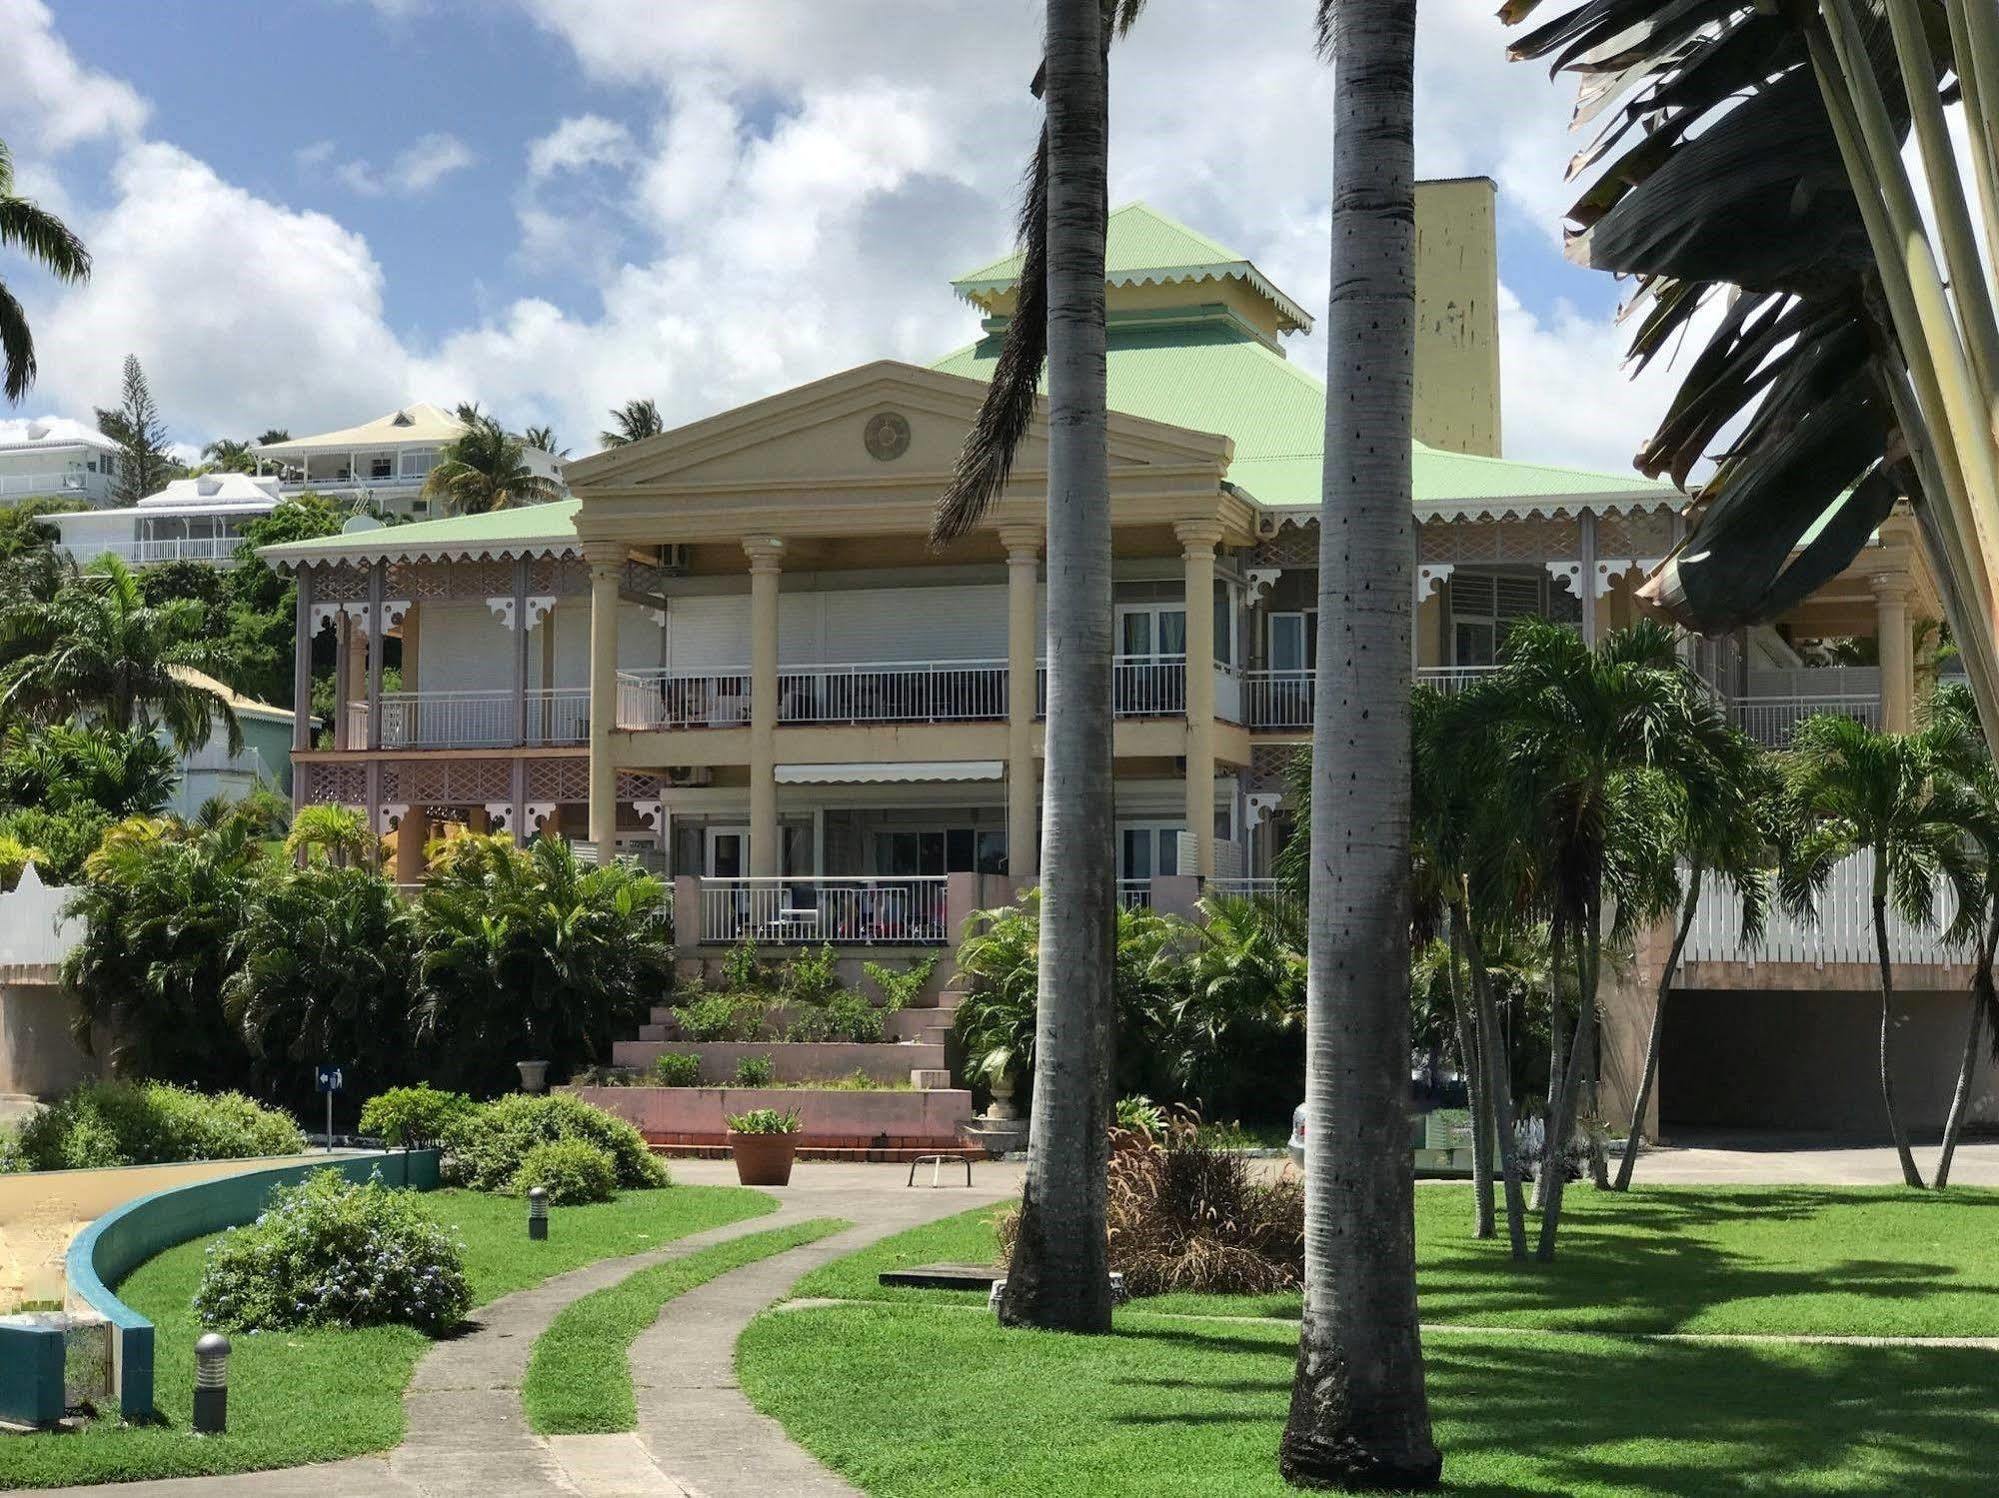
x,y
673,559
688,774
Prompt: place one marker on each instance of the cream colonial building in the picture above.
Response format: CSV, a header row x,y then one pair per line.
x,y
735,653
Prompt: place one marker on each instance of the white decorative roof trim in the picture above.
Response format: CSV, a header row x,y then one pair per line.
x,y
1554,508
504,552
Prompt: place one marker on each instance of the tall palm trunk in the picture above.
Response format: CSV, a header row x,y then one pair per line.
x,y
1982,1001
1359,1417
1494,1051
1910,1175
1558,1059
1554,1163
1656,1039
1475,1093
1059,1275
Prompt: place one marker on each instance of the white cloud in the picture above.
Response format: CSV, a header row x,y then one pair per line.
x,y
47,93
426,162
581,141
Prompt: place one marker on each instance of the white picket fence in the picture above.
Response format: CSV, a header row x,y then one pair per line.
x,y
33,930
1843,932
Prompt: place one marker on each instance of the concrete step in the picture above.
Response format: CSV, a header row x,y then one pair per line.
x,y
931,1025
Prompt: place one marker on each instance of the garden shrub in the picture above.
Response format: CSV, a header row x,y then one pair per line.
x,y
755,1071
723,1016
485,1147
810,977
569,1170
329,1253
153,1123
675,1069
1185,1215
11,1158
413,1117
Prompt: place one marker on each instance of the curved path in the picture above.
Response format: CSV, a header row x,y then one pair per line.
x,y
698,1436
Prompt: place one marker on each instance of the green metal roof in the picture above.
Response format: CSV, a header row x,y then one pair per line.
x,y
1143,246
526,530
1208,373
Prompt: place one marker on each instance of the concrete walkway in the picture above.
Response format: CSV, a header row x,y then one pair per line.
x,y
698,1436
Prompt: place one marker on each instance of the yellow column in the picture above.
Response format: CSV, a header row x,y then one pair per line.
x,y
1897,651
1023,781
607,562
1197,541
766,556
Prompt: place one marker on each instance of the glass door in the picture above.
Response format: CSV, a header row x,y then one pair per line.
x,y
728,854
1150,674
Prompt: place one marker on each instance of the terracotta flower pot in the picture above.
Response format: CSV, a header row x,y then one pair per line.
x,y
763,1159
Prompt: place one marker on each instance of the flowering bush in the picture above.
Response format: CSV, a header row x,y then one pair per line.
x,y
570,1171
484,1148
327,1252
153,1123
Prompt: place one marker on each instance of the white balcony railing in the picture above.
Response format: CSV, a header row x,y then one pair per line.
x,y
1278,699
893,692
1843,932
1134,894
683,699
1229,694
1452,679
53,483
886,911
1772,720
219,551
476,720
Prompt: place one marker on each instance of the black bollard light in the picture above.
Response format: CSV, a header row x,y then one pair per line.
x,y
537,1213
211,1384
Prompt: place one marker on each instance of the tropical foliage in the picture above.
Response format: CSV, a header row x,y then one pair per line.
x,y
152,1123
41,236
484,469
634,421
486,1147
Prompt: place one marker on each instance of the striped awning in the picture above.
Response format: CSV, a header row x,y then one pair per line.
x,y
885,774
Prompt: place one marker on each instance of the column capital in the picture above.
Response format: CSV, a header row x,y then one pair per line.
x,y
1198,537
766,553
1892,587
1022,542
604,557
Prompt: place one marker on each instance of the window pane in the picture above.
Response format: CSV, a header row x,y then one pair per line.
x,y
1172,631
1287,642
1135,633
1169,850
1224,625
930,853
1137,860
992,851
958,850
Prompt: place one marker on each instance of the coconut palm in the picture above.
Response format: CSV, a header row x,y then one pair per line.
x,y
1860,344
1723,833
1058,1276
123,774
96,650
47,241
227,455
634,421
543,437
1359,1416
1901,798
485,469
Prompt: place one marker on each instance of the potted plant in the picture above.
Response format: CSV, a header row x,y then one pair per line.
x,y
763,1142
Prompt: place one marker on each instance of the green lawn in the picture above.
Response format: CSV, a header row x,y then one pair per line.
x,y
1865,1261
299,1397
1169,1407
579,1381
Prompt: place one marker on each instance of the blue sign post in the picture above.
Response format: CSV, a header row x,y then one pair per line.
x,y
329,1080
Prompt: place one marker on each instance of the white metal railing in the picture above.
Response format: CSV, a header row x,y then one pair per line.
x,y
1278,699
1772,720
52,483
1272,890
892,692
324,482
890,910
1843,932
1134,894
218,550
484,719
664,698
356,720
1452,679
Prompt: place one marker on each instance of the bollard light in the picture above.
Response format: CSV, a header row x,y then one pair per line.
x,y
211,1384
537,1213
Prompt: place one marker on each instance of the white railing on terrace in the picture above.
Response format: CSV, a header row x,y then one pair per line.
x,y
887,911
1772,720
1451,679
663,698
51,483
1278,699
1843,932
324,482
892,692
1273,891
484,720
1228,694
218,550
1134,894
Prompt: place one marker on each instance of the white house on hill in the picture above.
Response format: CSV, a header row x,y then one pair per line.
x,y
53,457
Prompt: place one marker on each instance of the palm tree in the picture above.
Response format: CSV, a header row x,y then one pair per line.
x,y
1058,1276
634,421
1723,829
97,650
338,835
1359,1416
543,437
485,469
129,774
227,455
1901,797
45,239
1860,343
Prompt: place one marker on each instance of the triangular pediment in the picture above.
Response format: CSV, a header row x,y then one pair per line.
x,y
884,424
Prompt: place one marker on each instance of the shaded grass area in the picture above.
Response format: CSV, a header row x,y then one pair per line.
x,y
579,1381
312,1396
1839,1260
1173,1407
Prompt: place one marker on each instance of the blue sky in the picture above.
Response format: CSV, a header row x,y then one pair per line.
x,y
309,211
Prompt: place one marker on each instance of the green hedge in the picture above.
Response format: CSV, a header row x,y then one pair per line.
x,y
153,1123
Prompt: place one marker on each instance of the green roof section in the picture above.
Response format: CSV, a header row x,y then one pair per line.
x,y
1211,375
1141,246
527,528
